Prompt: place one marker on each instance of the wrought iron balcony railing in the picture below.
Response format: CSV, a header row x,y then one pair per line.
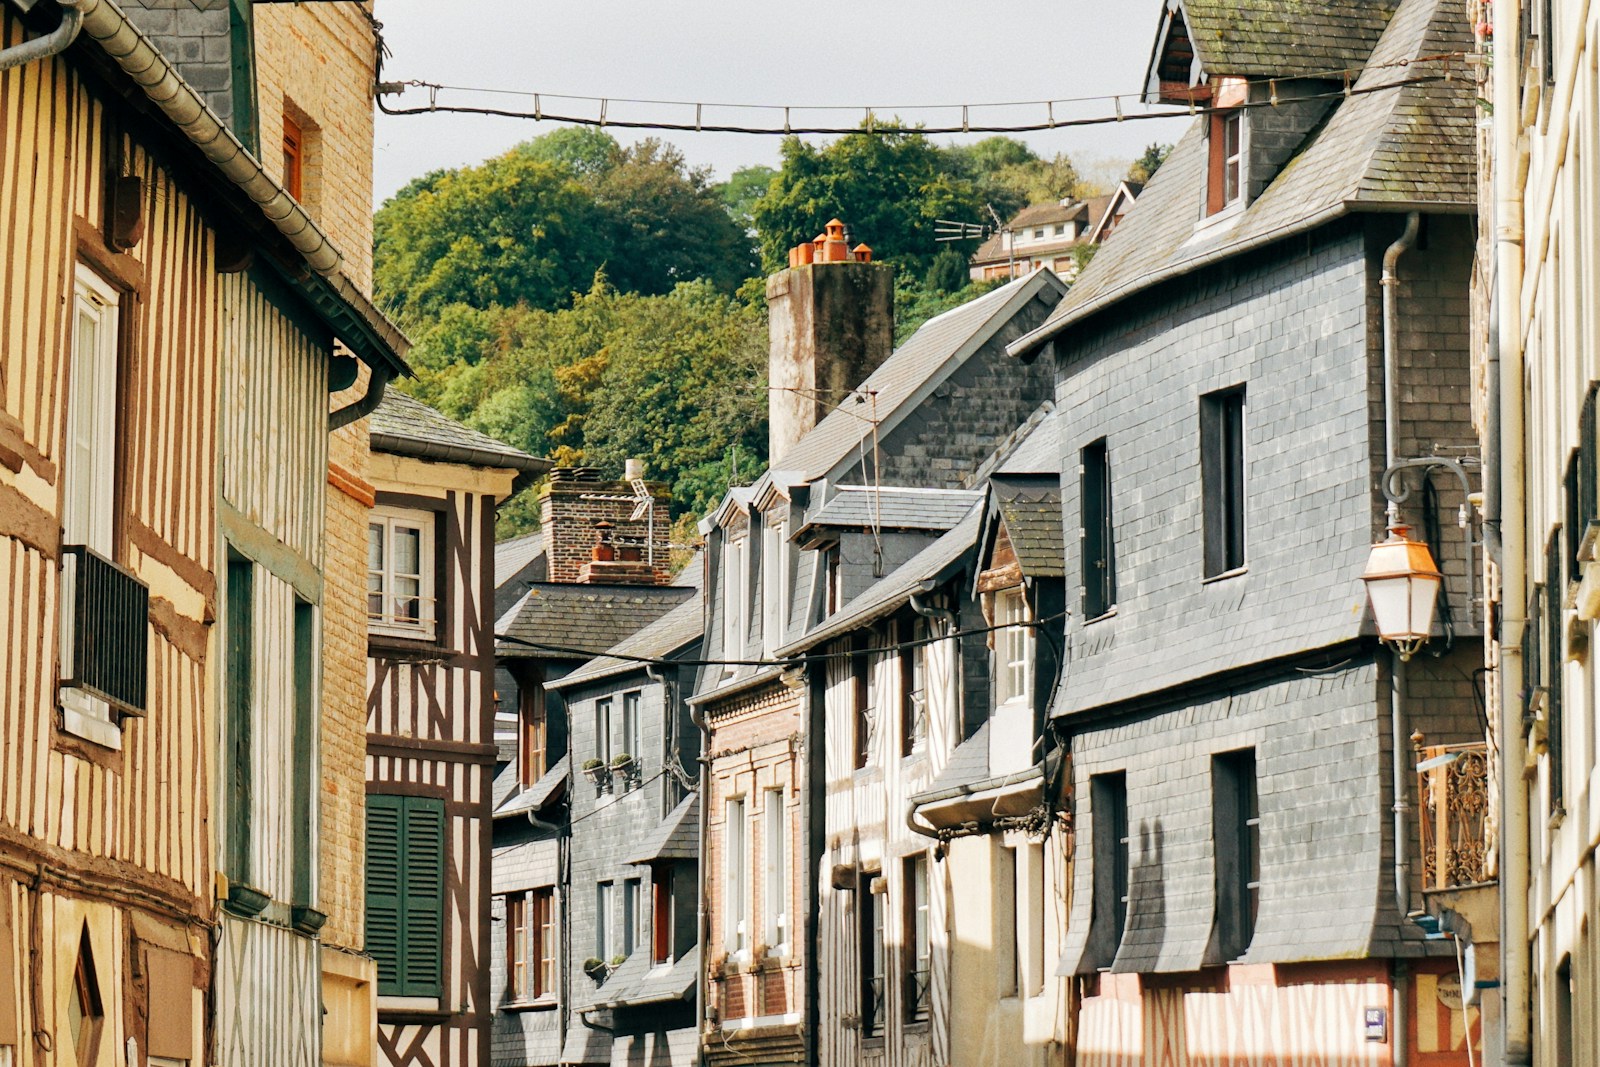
x,y
1453,809
104,616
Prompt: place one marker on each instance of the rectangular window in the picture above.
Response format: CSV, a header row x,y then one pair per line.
x,y
533,736
1588,479
306,644
400,573
916,936
517,946
1005,919
775,887
1099,566
1236,829
602,730
542,952
661,917
293,158
1030,874
914,687
735,598
774,583
735,884
1013,647
1225,183
861,664
630,726
631,896
871,954
833,578
1222,479
1554,617
239,672
88,482
405,893
1108,798
605,938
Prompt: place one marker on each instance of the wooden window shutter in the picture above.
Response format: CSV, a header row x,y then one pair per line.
x,y
170,1033
422,922
1555,595
383,890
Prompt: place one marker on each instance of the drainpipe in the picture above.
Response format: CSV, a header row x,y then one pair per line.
x,y
360,409
1514,832
52,43
702,918
1389,282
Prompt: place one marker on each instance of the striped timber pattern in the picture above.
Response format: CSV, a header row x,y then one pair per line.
x,y
257,1020
430,733
103,841
865,827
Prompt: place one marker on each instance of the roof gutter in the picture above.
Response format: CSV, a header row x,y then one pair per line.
x,y
52,43
357,322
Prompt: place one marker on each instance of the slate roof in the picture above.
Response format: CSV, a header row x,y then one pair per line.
x,y
671,633
912,372
677,838
535,796
591,618
405,426
885,596
1409,147
1040,451
512,556
1284,38
893,508
1030,506
968,765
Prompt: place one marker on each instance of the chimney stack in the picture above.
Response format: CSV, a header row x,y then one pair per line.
x,y
830,323
592,534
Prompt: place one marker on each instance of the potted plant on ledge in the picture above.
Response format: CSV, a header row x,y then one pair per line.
x,y
598,773
627,768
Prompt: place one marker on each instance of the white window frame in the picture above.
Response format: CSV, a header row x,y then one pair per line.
x,y
388,520
774,582
602,731
88,476
605,934
736,879
1232,165
775,887
1013,647
735,599
632,705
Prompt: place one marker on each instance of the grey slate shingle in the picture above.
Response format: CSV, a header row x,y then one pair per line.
x,y
1284,38
671,633
406,426
593,618
894,508
1403,147
1030,507
677,838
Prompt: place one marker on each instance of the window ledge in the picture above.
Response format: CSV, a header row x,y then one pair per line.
x,y
1225,575
92,729
1101,617
542,1004
1215,224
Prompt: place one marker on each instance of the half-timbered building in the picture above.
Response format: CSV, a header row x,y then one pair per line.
x,y
174,314
430,727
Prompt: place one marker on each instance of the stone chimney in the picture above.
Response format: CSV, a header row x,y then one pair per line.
x,y
592,534
830,323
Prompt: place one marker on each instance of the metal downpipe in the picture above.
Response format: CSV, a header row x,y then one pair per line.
x,y
52,43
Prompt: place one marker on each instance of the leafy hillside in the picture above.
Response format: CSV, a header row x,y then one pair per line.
x,y
591,302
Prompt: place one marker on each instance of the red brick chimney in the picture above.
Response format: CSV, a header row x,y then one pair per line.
x,y
830,323
602,531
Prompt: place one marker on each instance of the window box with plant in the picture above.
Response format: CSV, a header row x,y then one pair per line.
x,y
597,772
628,769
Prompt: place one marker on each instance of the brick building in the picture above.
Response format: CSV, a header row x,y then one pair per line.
x,y
1244,872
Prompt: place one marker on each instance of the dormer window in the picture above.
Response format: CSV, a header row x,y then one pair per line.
x,y
1226,181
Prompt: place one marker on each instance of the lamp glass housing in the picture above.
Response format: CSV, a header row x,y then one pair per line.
x,y
1403,588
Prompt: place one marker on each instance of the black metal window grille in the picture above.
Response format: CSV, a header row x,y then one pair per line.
x,y
106,612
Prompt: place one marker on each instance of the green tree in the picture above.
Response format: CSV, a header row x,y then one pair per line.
x,y
741,191
888,187
1145,167
588,152
948,272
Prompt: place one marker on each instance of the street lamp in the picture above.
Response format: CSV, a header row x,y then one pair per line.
x,y
1402,587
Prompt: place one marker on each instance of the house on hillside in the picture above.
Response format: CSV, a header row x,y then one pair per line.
x,y
1281,318
163,510
927,415
597,577
1059,236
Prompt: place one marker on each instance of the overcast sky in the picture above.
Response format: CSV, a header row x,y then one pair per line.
x,y
880,53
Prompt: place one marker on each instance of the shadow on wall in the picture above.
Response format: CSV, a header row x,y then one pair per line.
x,y
1147,902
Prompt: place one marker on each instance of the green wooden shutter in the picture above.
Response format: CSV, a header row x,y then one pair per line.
x,y
384,816
423,904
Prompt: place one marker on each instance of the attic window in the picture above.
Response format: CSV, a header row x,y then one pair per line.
x,y
1226,182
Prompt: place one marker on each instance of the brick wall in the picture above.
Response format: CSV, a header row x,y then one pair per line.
x,y
568,513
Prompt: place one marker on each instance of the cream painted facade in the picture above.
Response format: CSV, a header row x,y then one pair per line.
x,y
1541,259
